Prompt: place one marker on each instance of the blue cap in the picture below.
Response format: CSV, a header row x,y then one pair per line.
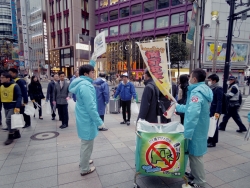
x,y
231,78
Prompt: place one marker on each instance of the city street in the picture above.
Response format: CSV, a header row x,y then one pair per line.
x,y
54,162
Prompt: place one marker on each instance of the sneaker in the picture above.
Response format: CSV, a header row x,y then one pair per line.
x,y
241,131
189,176
92,169
192,184
211,145
128,123
123,122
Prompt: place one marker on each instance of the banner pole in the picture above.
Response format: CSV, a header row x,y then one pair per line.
x,y
169,65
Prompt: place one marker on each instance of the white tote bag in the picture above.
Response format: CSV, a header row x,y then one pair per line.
x,y
42,102
134,108
17,121
48,108
29,110
212,127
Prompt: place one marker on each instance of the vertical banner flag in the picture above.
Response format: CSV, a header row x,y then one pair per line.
x,y
155,58
100,46
192,23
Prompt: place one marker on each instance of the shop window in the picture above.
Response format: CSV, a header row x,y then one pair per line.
x,y
162,4
124,29
136,26
113,15
148,24
149,6
104,3
136,9
124,12
176,2
113,30
162,22
177,19
104,17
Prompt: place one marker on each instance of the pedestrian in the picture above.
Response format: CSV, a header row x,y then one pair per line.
x,y
87,117
76,75
182,94
216,106
61,96
102,95
50,91
11,98
149,100
139,80
126,90
36,94
234,100
196,124
23,86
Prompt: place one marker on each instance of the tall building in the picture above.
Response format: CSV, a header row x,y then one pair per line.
x,y
5,19
69,24
128,21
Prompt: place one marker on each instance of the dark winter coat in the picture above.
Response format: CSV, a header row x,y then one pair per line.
x,y
216,104
35,91
23,86
50,90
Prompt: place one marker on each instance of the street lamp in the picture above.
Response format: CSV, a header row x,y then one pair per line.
x,y
215,17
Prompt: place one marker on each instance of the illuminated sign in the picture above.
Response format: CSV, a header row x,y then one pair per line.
x,y
80,46
45,41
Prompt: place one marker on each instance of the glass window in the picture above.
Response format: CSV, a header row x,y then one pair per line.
x,y
149,6
162,22
124,29
104,3
112,2
113,15
162,4
136,9
136,26
176,2
87,24
177,19
106,31
104,17
148,24
189,15
124,12
113,30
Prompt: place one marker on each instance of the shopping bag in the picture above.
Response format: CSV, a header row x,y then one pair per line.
x,y
29,110
17,121
48,108
212,127
134,108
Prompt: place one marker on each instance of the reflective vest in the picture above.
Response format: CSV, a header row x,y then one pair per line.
x,y
235,97
16,79
7,93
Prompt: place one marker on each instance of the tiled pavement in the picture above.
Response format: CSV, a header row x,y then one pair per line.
x,y
54,163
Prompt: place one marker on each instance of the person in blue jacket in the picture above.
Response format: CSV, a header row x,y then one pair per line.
x,y
87,117
126,90
102,94
196,124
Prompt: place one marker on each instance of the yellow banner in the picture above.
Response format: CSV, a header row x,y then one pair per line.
x,y
155,57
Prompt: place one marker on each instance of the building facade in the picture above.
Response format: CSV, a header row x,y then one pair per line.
x,y
127,22
68,25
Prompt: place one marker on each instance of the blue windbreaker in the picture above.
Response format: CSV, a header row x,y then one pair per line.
x,y
196,121
87,117
102,94
126,91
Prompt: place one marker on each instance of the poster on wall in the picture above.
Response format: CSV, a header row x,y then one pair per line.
x,y
239,52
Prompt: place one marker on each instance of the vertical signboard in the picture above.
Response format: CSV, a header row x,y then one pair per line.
x,y
25,32
13,18
46,54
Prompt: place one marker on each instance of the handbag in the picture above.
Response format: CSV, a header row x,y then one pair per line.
x,y
212,127
29,110
134,108
17,121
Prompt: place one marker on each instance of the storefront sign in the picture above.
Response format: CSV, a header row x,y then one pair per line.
x,y
100,45
80,46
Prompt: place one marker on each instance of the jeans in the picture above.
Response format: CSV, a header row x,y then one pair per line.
x,y
197,169
85,153
126,108
63,113
38,101
25,117
8,113
232,112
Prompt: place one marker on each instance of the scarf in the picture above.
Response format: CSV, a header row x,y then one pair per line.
x,y
214,86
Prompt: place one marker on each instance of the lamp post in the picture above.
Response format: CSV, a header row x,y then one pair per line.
x,y
215,17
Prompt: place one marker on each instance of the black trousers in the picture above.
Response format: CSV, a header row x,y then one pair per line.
x,y
232,112
38,101
102,117
53,108
25,117
63,113
215,138
126,108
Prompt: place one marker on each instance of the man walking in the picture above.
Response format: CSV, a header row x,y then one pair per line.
x,y
216,106
50,91
11,98
102,95
87,117
23,86
233,104
126,90
76,75
196,123
60,99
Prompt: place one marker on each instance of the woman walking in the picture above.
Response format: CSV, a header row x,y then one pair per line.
x,y
36,94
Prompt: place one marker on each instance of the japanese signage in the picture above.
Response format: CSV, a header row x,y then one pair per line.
x,y
155,58
192,23
13,18
161,154
100,45
45,41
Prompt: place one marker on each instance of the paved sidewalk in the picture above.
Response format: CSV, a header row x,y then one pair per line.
x,y
54,163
